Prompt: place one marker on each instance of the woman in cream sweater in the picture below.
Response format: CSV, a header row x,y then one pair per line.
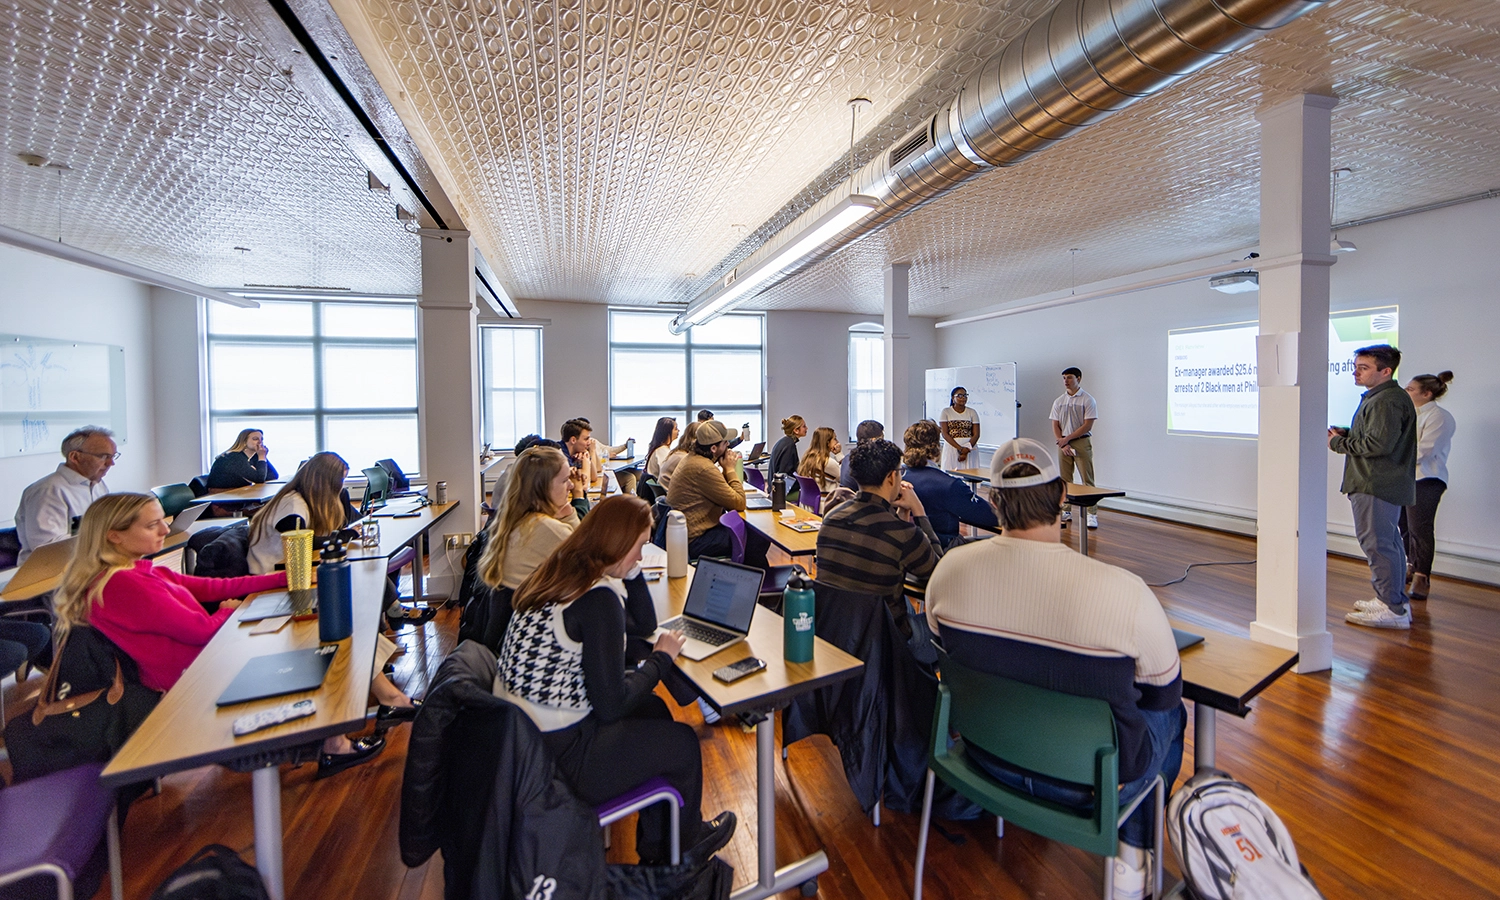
x,y
536,515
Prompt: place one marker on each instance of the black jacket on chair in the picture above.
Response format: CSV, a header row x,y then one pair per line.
x,y
227,555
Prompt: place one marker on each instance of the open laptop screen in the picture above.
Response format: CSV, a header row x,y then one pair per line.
x,y
724,594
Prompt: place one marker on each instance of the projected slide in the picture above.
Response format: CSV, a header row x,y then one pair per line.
x,y
1211,372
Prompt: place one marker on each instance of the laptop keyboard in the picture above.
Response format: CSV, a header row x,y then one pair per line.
x,y
714,637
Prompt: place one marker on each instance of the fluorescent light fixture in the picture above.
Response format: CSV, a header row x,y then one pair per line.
x,y
847,212
28,241
1339,246
1235,282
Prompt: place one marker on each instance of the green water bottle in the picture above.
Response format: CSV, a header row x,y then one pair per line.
x,y
798,620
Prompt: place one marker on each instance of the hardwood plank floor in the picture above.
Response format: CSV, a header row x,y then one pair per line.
x,y
1386,769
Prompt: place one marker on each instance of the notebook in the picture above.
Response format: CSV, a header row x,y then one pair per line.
x,y
279,673
280,603
719,607
1186,639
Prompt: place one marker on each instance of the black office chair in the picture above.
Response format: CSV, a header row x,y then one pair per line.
x,y
199,485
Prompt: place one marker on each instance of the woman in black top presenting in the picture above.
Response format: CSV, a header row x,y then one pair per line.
x,y
563,663
244,463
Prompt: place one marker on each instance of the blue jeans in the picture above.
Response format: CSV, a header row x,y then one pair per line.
x,y
1165,729
1377,525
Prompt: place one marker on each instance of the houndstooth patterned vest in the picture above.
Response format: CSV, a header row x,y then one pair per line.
x,y
540,663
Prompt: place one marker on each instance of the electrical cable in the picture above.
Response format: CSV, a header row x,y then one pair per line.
x,y
1237,562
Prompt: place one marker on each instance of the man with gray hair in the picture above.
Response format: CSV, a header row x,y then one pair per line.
x,y
49,506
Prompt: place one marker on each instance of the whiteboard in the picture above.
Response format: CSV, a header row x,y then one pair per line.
x,y
992,394
50,387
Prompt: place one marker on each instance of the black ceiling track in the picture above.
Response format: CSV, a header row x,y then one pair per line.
x,y
315,53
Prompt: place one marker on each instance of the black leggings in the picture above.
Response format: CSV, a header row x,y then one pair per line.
x,y
601,762
21,642
1416,524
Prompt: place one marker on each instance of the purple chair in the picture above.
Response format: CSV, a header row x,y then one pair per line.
x,y
51,826
775,578
652,792
755,477
809,494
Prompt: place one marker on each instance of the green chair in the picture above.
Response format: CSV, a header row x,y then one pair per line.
x,y
174,498
1058,735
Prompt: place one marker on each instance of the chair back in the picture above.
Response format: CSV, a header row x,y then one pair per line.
x,y
659,511
10,547
199,485
736,525
756,479
174,498
811,495
377,488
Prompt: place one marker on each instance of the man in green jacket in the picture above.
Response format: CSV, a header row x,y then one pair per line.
x,y
1380,477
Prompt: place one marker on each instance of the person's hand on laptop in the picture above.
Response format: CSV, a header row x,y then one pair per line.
x,y
670,643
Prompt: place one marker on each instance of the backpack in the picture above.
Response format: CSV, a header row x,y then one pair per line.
x,y
1231,846
214,873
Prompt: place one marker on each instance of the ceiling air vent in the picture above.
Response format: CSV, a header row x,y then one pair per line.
x,y
912,144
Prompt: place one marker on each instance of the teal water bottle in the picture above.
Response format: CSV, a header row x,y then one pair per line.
x,y
797,611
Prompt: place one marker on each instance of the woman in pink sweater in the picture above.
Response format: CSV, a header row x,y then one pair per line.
x,y
156,616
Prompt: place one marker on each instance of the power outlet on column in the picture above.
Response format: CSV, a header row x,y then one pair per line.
x,y
458,541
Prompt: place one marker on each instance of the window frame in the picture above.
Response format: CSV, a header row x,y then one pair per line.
x,y
486,427
318,341
689,410
857,332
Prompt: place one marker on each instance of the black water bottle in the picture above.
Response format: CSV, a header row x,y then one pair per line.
x,y
335,594
778,492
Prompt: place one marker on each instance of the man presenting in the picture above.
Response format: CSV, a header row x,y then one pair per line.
x,y
1380,477
1073,417
49,506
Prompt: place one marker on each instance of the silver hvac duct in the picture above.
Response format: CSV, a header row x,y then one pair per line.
x,y
1082,61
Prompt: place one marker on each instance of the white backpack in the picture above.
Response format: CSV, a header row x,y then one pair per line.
x,y
1231,845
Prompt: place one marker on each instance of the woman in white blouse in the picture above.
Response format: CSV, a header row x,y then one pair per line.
x,y
1435,428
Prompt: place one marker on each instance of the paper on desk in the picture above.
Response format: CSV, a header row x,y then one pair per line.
x,y
653,557
271,625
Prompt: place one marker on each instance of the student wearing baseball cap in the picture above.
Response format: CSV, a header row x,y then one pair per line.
x,y
704,486
1027,607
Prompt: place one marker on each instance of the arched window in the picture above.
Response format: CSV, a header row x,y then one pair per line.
x,y
866,373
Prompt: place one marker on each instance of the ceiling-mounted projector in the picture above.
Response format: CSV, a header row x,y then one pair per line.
x,y
1235,282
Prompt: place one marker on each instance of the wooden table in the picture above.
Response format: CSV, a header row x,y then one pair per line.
x,y
250,493
758,697
186,730
398,532
1225,672
48,579
1083,496
793,543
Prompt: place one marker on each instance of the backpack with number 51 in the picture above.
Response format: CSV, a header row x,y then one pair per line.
x,y
1232,846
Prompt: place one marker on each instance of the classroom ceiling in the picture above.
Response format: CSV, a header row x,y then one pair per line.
x,y
632,151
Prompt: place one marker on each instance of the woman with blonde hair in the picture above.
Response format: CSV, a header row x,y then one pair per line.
x,y
948,499
684,446
243,463
563,663
156,616
535,515
821,463
784,459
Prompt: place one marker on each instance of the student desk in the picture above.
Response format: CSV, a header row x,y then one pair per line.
x,y
1083,496
758,697
250,493
186,730
397,532
1225,672
48,581
793,543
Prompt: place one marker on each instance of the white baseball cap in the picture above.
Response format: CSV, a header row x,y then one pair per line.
x,y
1023,450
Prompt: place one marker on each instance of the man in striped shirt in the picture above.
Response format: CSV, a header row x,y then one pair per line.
x,y
875,542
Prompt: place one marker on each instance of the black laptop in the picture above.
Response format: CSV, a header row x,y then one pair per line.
x,y
1186,639
279,673
280,603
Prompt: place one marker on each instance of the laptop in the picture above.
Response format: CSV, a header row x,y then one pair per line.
x,y
45,562
280,603
719,607
756,452
1186,639
757,501
185,519
279,673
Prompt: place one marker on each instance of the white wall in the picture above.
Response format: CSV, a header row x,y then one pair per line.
x,y
1439,267
45,297
179,375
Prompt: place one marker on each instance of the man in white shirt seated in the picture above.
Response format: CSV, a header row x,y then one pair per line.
x,y
1027,607
49,506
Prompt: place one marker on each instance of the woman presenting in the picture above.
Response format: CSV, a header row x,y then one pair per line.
x,y
960,426
1435,428
242,464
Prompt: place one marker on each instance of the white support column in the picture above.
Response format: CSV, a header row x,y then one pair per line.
x,y
1291,590
448,358
897,352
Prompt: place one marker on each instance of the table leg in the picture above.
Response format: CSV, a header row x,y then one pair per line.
x,y
772,880
1204,719
1081,520
417,592
265,788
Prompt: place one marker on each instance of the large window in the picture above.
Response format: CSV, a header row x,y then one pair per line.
x,y
655,373
512,384
316,375
866,374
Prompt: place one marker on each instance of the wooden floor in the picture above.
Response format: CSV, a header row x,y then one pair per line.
x,y
1386,769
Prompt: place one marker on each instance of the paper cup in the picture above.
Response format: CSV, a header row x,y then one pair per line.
x,y
297,549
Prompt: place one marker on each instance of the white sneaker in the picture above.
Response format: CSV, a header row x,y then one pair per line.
x,y
1067,515
710,715
1380,618
1093,521
1370,605
1130,882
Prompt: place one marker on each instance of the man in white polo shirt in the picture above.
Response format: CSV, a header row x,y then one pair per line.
x,y
1073,416
49,506
1027,607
